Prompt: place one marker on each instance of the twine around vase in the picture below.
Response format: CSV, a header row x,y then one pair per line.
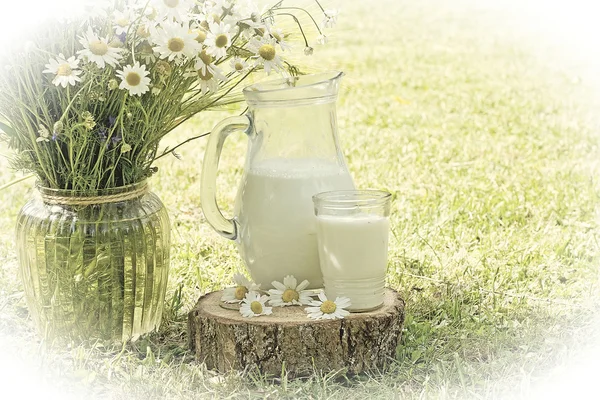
x,y
91,200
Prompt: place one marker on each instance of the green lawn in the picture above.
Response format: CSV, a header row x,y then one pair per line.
x,y
491,156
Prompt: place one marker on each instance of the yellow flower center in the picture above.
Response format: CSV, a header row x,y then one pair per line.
x,y
328,307
122,22
133,79
239,66
171,3
290,295
216,19
175,45
206,58
240,292
267,52
256,307
205,77
143,32
221,40
64,70
200,35
98,47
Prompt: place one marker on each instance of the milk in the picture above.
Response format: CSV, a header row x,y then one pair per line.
x,y
353,252
275,216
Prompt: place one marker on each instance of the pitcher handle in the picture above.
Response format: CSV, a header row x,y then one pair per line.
x,y
208,190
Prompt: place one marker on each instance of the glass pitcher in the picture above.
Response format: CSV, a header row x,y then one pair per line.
x,y
293,153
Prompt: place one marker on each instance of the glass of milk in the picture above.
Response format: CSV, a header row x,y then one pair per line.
x,y
352,235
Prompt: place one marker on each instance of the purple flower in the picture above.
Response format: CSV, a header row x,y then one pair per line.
x,y
102,133
116,138
122,37
111,121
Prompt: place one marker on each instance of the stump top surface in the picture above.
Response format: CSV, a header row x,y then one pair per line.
x,y
210,305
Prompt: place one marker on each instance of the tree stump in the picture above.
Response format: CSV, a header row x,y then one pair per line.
x,y
289,342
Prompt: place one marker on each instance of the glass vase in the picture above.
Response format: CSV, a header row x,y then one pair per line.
x,y
94,266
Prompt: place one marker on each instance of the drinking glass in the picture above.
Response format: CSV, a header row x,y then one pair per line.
x,y
352,235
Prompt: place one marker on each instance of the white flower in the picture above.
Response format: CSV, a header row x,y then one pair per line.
x,y
327,309
228,10
218,6
199,32
176,42
174,9
121,20
243,286
279,37
205,64
329,18
238,65
266,54
209,81
254,305
65,70
96,8
289,292
98,51
134,79
218,40
322,39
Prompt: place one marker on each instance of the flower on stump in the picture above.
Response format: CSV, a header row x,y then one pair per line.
x,y
289,292
237,293
327,309
254,305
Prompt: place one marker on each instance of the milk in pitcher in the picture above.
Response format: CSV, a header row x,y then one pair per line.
x,y
275,214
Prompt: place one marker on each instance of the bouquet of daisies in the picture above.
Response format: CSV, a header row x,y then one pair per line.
x,y
85,104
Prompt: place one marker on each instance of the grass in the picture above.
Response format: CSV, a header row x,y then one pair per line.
x,y
491,159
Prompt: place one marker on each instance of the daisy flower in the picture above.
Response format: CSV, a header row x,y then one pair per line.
x,y
266,54
254,305
65,70
289,292
176,42
135,79
96,9
200,34
230,11
329,18
173,9
238,293
121,20
218,39
209,81
279,37
205,62
218,6
327,309
97,50
239,65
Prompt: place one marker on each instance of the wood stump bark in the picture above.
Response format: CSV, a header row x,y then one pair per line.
x,y
289,342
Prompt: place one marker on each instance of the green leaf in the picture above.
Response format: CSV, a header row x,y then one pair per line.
x,y
7,129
